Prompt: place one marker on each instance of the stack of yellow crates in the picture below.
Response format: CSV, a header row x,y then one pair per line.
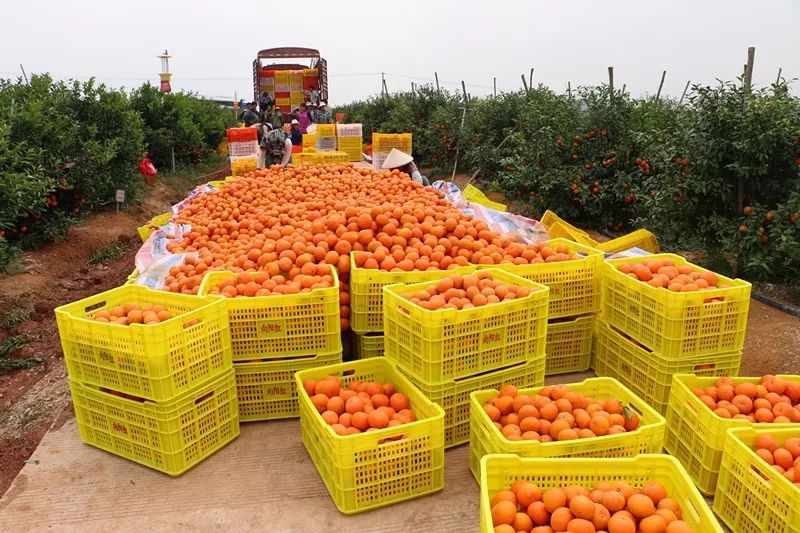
x,y
272,337
450,353
348,139
161,393
326,137
647,334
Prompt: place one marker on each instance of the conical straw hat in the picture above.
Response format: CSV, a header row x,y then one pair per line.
x,y
396,159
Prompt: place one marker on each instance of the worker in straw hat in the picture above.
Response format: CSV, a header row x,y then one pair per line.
x,y
404,163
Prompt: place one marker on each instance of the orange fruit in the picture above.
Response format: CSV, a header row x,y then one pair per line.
x,y
554,498
582,507
621,523
653,524
560,518
504,512
538,513
640,506
504,495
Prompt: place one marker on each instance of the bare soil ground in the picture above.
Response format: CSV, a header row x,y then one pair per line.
x,y
34,399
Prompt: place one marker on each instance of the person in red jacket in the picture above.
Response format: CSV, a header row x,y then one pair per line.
x,y
148,170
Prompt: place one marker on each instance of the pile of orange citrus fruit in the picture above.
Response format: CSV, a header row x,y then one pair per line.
x,y
785,459
773,399
132,313
359,407
556,413
274,282
663,273
613,507
465,292
283,218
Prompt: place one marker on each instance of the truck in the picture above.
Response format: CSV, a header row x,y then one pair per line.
x,y
287,73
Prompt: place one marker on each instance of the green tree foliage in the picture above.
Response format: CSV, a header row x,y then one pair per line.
x,y
189,125
66,147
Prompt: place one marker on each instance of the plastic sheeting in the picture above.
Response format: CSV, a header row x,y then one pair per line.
x,y
524,229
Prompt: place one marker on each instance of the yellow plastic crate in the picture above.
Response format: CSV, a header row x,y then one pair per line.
x,y
453,395
171,436
240,167
696,435
267,390
351,146
155,361
384,142
132,277
217,184
305,158
676,324
153,224
648,374
366,292
281,76
309,140
564,231
549,218
445,344
574,285
334,157
369,345
475,195
326,130
375,468
753,497
485,438
569,345
269,327
499,472
641,238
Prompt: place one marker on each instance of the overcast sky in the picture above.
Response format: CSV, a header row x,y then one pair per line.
x,y
213,43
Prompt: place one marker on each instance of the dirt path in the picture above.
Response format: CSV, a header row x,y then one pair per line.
x,y
59,273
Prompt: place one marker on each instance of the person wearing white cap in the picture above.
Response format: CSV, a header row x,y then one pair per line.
x,y
297,135
322,115
404,163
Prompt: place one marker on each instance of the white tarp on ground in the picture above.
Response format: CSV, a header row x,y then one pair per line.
x,y
525,229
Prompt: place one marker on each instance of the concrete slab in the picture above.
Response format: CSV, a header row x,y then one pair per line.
x,y
262,481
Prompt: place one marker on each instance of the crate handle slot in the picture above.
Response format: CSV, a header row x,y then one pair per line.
x,y
204,397
690,507
403,310
94,306
348,372
704,366
192,323
714,300
390,440
118,394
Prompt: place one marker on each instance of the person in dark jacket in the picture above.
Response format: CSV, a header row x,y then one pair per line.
x,y
297,135
250,116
